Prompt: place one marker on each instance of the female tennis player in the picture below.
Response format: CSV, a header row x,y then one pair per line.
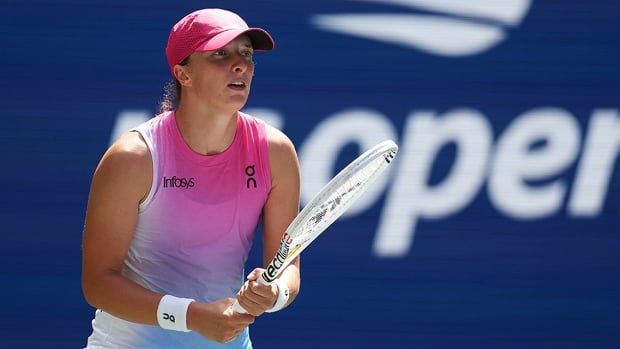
x,y
174,203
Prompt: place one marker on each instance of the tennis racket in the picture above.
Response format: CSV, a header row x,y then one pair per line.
x,y
326,206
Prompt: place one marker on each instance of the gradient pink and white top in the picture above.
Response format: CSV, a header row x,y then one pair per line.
x,y
195,228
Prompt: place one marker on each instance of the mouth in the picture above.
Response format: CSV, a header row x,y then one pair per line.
x,y
237,85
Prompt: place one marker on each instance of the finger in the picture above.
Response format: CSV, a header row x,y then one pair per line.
x,y
247,293
255,274
245,290
247,319
236,334
261,290
241,321
263,299
246,285
248,290
251,306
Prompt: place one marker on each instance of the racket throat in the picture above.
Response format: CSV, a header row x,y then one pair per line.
x,y
279,261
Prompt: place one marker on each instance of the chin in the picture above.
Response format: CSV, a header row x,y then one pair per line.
x,y
238,101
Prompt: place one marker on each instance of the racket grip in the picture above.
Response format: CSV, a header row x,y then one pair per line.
x,y
238,308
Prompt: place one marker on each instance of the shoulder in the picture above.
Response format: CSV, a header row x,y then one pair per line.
x,y
282,153
126,165
280,145
130,150
282,158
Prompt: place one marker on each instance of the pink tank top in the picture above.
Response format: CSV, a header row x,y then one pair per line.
x,y
196,226
194,229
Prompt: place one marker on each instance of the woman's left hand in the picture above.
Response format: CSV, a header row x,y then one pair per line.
x,y
255,297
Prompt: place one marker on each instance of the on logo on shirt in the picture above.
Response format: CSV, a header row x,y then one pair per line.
x,y
249,172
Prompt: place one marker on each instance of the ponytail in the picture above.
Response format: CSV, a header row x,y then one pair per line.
x,y
171,97
172,93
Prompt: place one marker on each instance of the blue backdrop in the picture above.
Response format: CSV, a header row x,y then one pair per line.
x,y
497,228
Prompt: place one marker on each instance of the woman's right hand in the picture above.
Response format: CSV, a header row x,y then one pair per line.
x,y
217,321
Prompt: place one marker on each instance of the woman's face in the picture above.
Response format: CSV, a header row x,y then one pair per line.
x,y
221,79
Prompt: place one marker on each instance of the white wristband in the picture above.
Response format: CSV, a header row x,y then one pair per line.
x,y
283,294
172,313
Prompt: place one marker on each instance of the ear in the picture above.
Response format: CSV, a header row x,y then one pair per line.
x,y
180,72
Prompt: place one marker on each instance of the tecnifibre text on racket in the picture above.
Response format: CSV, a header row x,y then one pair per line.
x,y
326,206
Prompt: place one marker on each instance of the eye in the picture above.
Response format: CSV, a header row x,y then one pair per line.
x,y
219,53
248,53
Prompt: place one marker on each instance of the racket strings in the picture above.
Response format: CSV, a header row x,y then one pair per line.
x,y
340,199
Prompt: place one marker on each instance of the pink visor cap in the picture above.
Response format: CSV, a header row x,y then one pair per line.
x,y
210,29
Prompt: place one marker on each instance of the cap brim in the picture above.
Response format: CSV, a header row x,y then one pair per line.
x,y
261,40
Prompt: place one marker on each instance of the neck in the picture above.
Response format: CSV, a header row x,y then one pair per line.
x,y
206,132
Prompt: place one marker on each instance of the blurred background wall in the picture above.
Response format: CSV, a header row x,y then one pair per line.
x,y
497,227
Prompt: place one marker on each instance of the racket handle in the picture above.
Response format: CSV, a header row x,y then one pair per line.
x,y
238,308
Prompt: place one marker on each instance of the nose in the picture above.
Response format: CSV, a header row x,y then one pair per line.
x,y
242,64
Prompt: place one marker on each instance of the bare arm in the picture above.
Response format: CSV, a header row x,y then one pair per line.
x,y
279,211
122,179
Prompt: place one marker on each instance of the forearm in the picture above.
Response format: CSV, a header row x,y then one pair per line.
x,y
291,276
115,294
